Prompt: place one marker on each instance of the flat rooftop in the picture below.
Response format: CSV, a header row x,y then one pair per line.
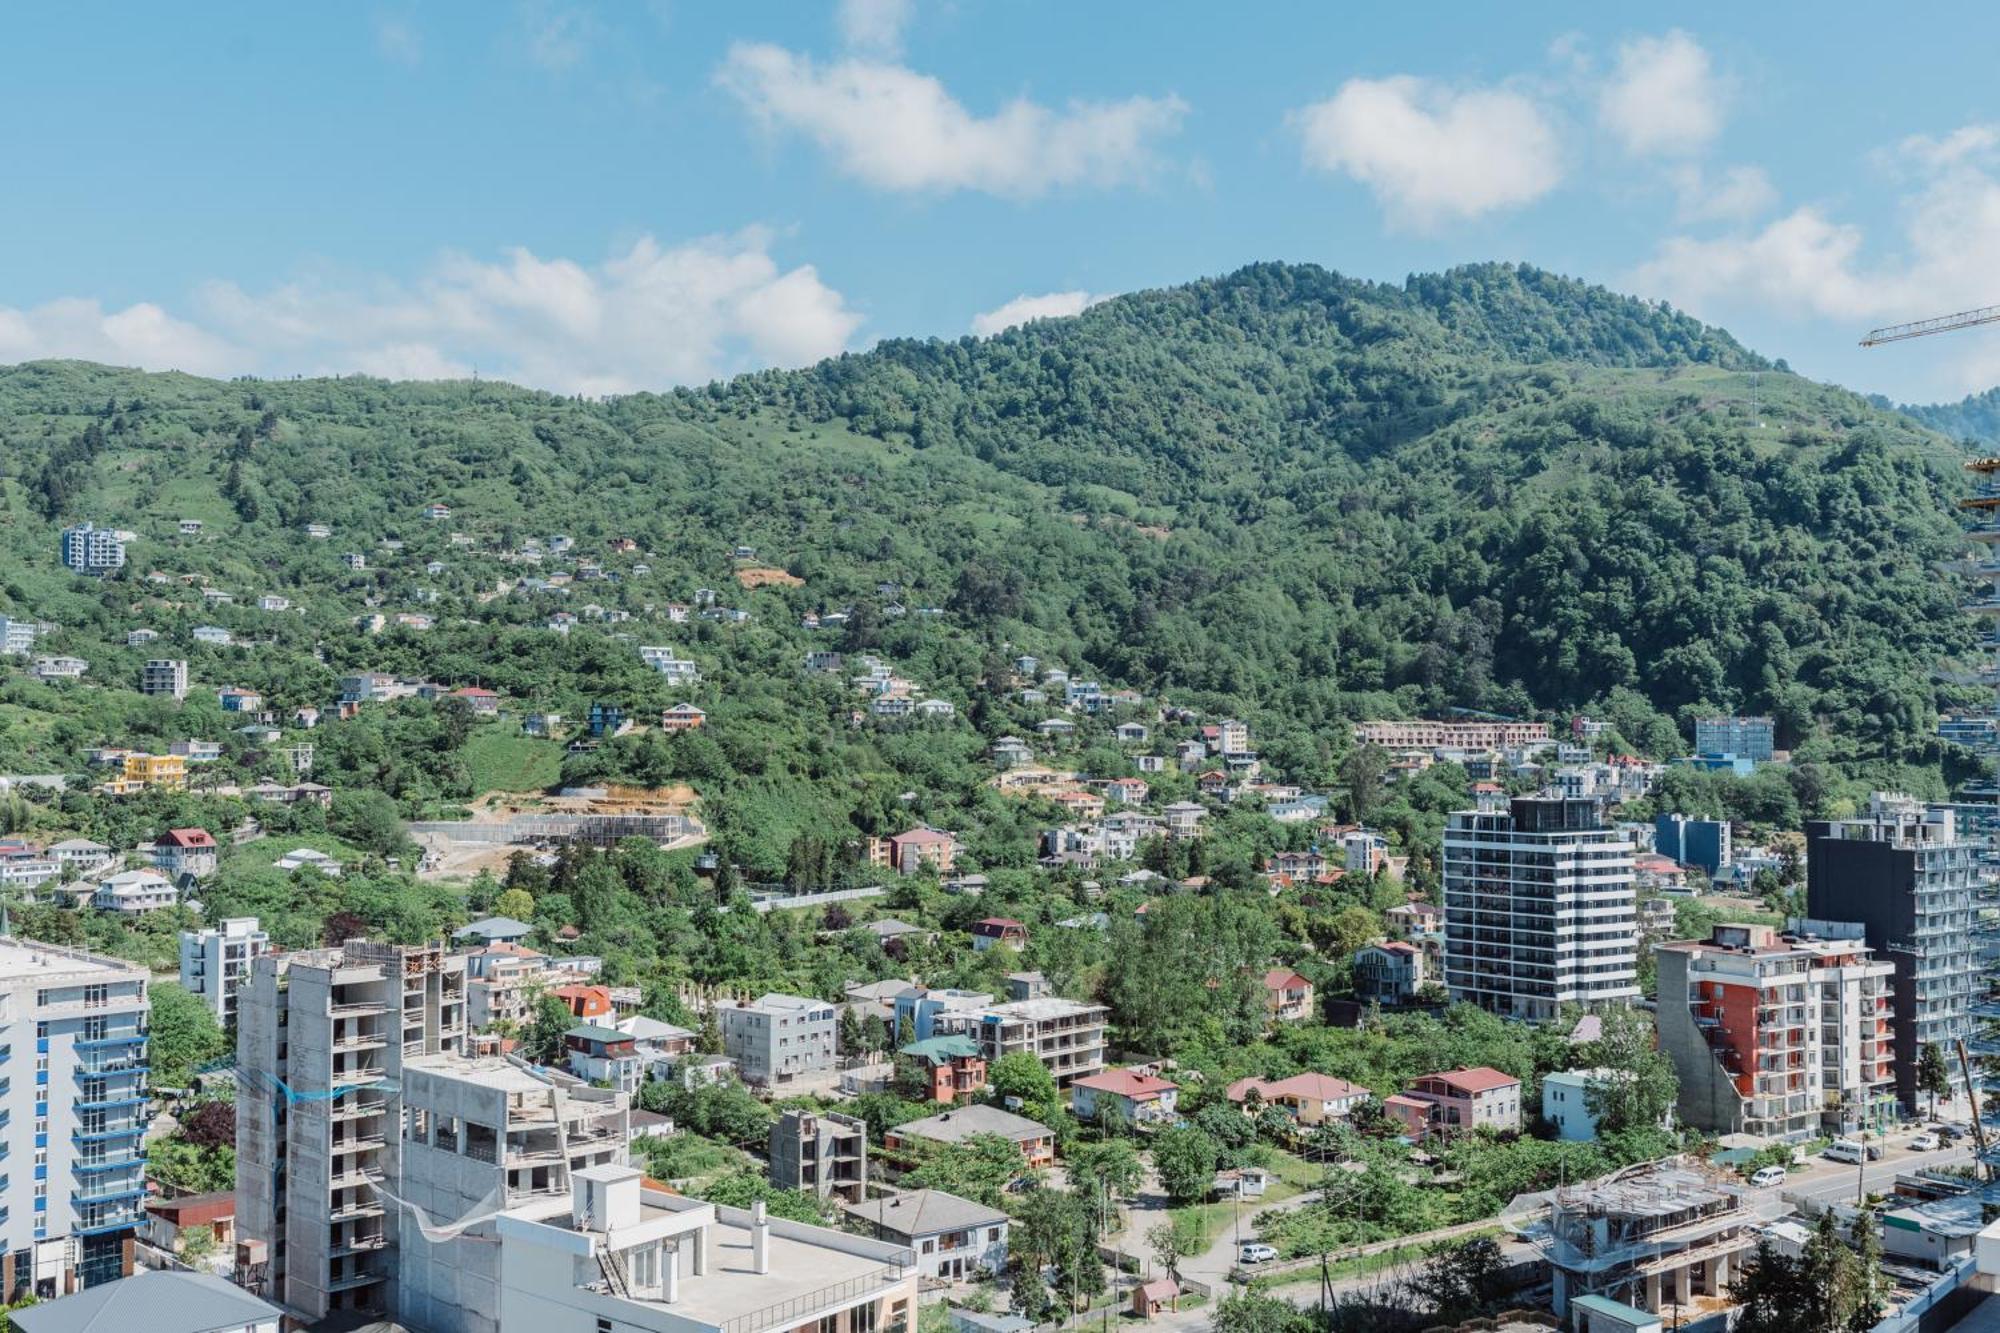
x,y
488,1071
733,1289
21,959
1049,1006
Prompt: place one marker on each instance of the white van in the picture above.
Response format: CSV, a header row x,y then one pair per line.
x,y
1843,1150
1767,1176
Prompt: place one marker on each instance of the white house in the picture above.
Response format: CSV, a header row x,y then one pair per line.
x,y
953,1238
135,893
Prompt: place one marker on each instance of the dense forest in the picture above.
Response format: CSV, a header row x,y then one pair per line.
x,y
1974,418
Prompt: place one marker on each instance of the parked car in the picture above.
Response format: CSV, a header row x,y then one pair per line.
x,y
1926,1142
1767,1176
1875,1151
1251,1253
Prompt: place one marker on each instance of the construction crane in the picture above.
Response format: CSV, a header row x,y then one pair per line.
x,y
1964,319
1980,1166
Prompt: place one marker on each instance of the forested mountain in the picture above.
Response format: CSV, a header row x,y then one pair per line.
x,y
1975,417
1284,494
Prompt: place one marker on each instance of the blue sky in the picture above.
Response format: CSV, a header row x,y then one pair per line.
x,y
602,197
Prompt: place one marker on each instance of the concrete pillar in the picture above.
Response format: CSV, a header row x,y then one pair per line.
x,y
1683,1284
1649,1298
670,1276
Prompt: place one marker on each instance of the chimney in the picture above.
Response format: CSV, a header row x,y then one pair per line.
x,y
760,1239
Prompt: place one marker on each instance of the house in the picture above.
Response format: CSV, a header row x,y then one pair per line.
x,y
1131,733
237,700
586,1001
1136,1097
1128,791
186,851
1310,1099
998,932
1287,995
682,717
437,511
1056,726
1391,972
823,1154
494,930
271,601
920,849
545,725
1458,1101
1149,1298
135,893
1183,819
953,1239
80,853
170,1221
953,1064
156,1300
60,668
1567,1096
197,752
483,702
306,858
1416,918
1036,1141
604,1055
190,527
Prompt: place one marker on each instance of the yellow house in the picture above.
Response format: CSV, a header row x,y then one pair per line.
x,y
156,770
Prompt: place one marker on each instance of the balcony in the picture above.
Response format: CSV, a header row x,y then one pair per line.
x,y
104,1101
107,1063
95,1223
358,1208
107,1043
350,1281
359,1143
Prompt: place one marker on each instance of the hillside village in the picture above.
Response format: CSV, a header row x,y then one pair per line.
x,y
1175,1015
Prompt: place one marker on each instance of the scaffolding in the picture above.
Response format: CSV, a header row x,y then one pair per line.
x,y
1651,1232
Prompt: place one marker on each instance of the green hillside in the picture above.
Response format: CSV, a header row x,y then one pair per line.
x,y
1283,494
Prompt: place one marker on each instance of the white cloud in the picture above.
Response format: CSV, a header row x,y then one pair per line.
x,y
556,37
874,26
139,335
1808,264
1663,97
1967,143
398,42
1049,305
1432,154
891,127
647,318
1736,194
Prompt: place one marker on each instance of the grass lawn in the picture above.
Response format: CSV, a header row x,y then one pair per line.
x,y
1205,1223
1361,1264
500,758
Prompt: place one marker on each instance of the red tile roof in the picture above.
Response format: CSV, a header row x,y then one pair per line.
x,y
1317,1087
1283,978
1479,1078
186,837
1126,1083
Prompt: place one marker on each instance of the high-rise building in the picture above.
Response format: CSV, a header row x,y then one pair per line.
x,y
164,676
1693,842
215,962
481,1135
88,549
323,1038
1749,738
1781,1036
1539,908
1903,874
71,1124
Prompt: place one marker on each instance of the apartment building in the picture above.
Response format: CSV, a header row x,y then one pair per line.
x,y
1905,876
164,676
215,962
1735,737
827,1154
17,636
1391,972
1067,1036
1424,735
481,1134
323,1037
71,1126
1782,1036
186,851
502,981
617,1255
1539,908
89,549
777,1038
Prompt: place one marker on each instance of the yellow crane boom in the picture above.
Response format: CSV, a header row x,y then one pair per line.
x,y
1964,319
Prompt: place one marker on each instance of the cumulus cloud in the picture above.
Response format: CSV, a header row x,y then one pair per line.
x,y
1809,263
1433,154
1735,194
1049,305
896,129
138,335
1663,97
649,317
398,42
874,26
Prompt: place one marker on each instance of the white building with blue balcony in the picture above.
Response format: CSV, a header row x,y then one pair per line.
x,y
73,1113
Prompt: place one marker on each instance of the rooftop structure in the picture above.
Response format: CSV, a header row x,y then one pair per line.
x,y
1658,1232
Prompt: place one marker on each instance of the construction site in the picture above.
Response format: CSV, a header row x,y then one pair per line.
x,y
1655,1236
503,823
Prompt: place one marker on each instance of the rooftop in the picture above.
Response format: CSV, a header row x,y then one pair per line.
x,y
962,1123
924,1212
160,1302
21,959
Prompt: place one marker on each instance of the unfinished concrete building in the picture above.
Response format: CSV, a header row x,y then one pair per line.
x,y
323,1037
1654,1235
481,1135
825,1153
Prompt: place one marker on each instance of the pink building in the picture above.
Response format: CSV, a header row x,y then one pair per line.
x,y
1457,1101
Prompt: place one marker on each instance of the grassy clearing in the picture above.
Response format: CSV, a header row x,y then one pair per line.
x,y
502,759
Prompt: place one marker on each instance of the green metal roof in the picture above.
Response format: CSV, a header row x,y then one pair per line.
x,y
942,1050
